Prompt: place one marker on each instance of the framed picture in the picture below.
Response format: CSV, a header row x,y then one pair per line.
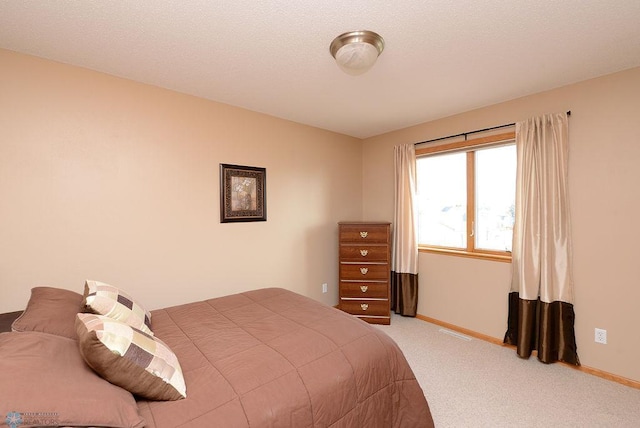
x,y
243,193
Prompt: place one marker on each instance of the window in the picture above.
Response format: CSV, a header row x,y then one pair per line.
x,y
466,197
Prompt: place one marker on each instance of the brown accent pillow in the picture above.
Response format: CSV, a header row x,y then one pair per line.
x,y
50,310
44,381
130,358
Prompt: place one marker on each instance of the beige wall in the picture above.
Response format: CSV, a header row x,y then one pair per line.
x,y
108,179
605,199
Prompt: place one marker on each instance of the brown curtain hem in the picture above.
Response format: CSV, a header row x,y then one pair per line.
x,y
404,293
546,327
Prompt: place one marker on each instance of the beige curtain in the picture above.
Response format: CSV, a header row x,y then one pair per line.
x,y
541,313
404,260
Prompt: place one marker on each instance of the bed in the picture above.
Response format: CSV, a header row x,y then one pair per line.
x,y
263,358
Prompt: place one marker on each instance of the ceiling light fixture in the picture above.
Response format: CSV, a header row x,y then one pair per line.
x,y
356,51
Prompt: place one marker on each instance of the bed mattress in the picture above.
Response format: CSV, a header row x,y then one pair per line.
x,y
273,358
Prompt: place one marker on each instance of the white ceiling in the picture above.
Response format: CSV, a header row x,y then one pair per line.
x,y
442,57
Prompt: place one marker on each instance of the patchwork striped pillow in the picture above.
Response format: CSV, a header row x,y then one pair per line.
x,y
125,356
105,299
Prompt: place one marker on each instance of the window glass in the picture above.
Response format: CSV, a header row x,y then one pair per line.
x,y
495,188
466,198
442,200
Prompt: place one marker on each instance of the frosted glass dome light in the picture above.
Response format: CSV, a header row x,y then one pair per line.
x,y
356,51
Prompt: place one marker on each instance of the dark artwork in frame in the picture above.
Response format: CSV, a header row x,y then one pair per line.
x,y
243,193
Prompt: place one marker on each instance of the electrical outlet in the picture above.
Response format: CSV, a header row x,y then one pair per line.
x,y
601,336
324,287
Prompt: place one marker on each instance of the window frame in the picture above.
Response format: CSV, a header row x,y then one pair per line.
x,y
469,147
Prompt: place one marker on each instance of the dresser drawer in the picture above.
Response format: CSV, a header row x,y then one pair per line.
x,y
364,290
364,253
385,319
364,233
365,307
364,272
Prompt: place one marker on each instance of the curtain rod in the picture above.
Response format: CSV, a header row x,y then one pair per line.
x,y
464,134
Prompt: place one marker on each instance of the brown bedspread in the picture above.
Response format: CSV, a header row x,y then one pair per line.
x,y
273,358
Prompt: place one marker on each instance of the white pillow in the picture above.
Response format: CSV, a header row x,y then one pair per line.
x,y
105,299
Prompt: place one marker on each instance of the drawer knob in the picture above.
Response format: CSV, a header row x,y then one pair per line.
x,y
364,270
364,288
363,234
364,253
364,306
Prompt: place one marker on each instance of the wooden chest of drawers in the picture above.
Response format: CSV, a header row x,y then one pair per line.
x,y
365,269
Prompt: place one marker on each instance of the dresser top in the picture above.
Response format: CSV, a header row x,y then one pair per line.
x,y
364,222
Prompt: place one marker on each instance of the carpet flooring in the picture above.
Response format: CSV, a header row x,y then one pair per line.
x,y
472,383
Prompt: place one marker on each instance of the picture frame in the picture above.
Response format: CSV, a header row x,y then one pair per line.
x,y
243,193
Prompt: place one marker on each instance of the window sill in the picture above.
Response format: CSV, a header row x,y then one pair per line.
x,y
462,253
